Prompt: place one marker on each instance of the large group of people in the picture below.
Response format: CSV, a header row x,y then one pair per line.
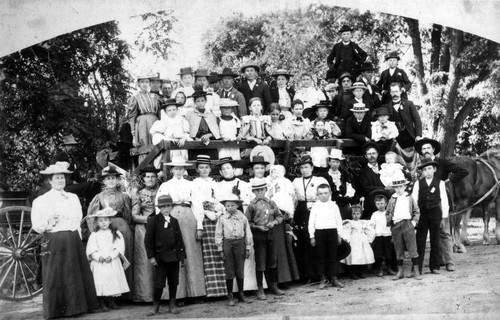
x,y
195,236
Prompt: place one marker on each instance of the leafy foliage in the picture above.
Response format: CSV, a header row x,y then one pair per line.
x,y
154,37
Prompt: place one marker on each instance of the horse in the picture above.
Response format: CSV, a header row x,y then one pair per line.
x,y
478,188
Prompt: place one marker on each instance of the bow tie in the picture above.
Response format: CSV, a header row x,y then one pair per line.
x,y
300,119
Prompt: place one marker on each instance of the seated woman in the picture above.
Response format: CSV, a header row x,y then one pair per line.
x,y
172,127
253,125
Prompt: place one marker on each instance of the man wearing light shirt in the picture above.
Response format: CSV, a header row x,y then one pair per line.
x,y
430,194
325,230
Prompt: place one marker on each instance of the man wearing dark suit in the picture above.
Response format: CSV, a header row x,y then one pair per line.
x,y
369,183
372,92
447,171
405,115
165,249
229,92
251,87
391,75
346,56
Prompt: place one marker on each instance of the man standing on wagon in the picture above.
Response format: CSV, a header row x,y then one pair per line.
x,y
447,171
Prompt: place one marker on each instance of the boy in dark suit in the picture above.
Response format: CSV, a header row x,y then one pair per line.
x,y
393,74
358,127
165,249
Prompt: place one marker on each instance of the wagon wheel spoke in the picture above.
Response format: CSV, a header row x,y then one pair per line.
x,y
38,237
14,281
27,237
5,252
6,239
6,263
20,229
7,215
6,273
25,280
29,269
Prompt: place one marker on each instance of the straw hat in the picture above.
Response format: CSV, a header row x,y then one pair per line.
x,y
259,184
58,167
231,197
263,151
178,161
250,64
399,179
203,159
336,154
227,103
358,85
104,213
359,107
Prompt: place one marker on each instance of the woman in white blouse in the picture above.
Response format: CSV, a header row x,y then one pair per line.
x,y
305,195
68,284
188,210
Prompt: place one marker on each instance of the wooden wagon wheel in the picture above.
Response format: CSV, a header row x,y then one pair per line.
x,y
19,254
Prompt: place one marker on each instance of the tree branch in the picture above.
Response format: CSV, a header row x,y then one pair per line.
x,y
414,32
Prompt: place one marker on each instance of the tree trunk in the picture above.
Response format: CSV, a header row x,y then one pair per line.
x,y
450,128
414,31
436,46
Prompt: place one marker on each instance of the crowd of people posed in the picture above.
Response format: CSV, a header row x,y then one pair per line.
x,y
196,236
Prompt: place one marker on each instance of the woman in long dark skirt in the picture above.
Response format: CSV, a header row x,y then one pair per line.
x,y
68,284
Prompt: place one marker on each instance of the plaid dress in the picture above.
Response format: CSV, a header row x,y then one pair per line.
x,y
215,276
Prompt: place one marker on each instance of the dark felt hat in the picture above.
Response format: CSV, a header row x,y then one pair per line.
x,y
164,200
169,102
369,145
303,160
382,111
226,160
345,28
227,72
393,54
214,77
258,160
201,73
420,143
323,104
282,72
250,64
198,93
187,70
427,162
343,250
346,75
149,168
110,171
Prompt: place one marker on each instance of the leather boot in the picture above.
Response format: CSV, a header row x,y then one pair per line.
x,y
416,274
400,274
275,290
102,306
390,271
381,271
112,303
230,300
172,307
260,294
156,308
241,295
336,283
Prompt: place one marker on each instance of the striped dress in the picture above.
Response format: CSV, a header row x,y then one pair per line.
x,y
143,108
215,277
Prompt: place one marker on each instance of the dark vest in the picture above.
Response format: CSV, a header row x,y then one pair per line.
x,y
428,200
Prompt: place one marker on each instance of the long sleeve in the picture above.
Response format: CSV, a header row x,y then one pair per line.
x,y
414,193
39,217
393,130
267,98
242,105
338,219
331,57
127,208
149,238
93,206
92,249
376,131
278,215
405,80
311,227
457,171
346,231
137,217
119,246
248,236
197,207
219,234
361,53
445,206
250,213
133,111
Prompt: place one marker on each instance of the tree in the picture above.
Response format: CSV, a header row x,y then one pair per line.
x,y
73,84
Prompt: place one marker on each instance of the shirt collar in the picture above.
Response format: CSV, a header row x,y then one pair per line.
x,y
395,195
376,166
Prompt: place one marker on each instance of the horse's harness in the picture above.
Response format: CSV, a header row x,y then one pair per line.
x,y
487,194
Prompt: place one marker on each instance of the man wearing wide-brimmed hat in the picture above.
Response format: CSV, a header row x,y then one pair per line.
x,y
391,75
346,56
447,171
358,90
282,94
250,87
229,92
67,154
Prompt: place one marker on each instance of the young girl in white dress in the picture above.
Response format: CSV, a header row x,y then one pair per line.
x,y
104,248
279,128
359,234
172,127
229,126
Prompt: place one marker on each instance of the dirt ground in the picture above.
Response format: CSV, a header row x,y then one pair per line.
x,y
471,292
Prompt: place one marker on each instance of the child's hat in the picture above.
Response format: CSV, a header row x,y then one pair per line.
x,y
382,111
258,184
427,162
258,160
164,200
331,86
336,154
187,70
231,197
227,103
104,213
399,179
203,159
359,107
178,161
392,55
323,104
345,28
343,250
358,85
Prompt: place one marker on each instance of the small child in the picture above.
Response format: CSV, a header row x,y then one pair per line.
x,y
264,215
300,125
229,125
104,248
279,128
325,230
390,168
382,129
253,125
319,154
358,127
165,249
234,241
171,127
359,233
382,247
402,215
323,113
430,194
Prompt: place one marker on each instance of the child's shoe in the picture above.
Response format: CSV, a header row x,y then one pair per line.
x,y
230,300
260,294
